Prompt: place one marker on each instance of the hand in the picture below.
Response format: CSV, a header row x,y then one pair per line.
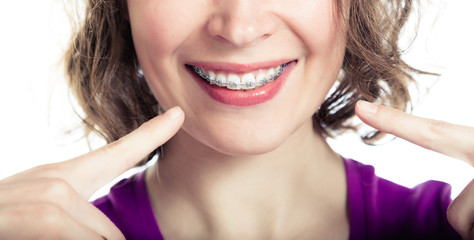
x,y
50,201
446,138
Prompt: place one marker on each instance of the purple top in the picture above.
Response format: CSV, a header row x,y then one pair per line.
x,y
379,209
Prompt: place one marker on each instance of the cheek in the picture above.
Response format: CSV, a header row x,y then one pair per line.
x,y
319,27
316,24
159,30
160,27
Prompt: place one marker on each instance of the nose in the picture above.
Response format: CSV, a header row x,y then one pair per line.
x,y
241,23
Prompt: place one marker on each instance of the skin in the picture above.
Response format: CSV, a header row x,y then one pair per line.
x,y
268,185
450,139
19,219
50,201
238,32
241,156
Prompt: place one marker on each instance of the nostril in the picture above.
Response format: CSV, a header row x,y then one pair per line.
x,y
263,37
240,28
221,38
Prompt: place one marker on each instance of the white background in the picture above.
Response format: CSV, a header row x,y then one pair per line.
x,y
36,113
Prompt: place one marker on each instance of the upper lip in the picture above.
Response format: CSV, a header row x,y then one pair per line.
x,y
237,67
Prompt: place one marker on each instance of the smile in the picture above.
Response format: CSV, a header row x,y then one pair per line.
x,y
241,85
239,81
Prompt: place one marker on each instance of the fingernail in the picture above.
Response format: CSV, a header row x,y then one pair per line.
x,y
367,107
173,113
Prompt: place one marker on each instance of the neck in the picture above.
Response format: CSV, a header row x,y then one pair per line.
x,y
266,190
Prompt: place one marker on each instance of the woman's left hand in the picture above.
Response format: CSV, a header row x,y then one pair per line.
x,y
449,139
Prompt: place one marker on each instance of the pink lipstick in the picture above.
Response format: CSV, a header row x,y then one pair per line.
x,y
242,98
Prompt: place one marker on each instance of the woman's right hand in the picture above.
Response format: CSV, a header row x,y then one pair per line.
x,y
50,201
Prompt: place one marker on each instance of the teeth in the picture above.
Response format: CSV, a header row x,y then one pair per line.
x,y
233,82
211,75
236,82
270,74
248,81
277,69
221,80
260,79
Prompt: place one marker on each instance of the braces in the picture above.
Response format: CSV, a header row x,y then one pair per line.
x,y
201,73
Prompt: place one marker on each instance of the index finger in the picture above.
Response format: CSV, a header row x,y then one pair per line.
x,y
449,139
91,171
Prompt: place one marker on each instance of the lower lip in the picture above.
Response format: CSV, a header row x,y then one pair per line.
x,y
248,97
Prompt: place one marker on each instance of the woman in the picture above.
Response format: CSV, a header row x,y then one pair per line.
x,y
250,160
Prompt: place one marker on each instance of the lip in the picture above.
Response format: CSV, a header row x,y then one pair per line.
x,y
242,98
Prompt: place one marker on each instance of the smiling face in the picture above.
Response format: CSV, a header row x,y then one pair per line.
x,y
286,53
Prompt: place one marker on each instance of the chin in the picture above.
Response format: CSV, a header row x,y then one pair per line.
x,y
247,146
245,140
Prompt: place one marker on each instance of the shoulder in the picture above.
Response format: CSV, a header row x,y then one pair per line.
x,y
122,196
127,205
381,209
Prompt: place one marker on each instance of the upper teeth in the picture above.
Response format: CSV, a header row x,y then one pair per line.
x,y
236,81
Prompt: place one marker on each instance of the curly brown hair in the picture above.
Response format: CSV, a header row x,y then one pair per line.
x,y
102,68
